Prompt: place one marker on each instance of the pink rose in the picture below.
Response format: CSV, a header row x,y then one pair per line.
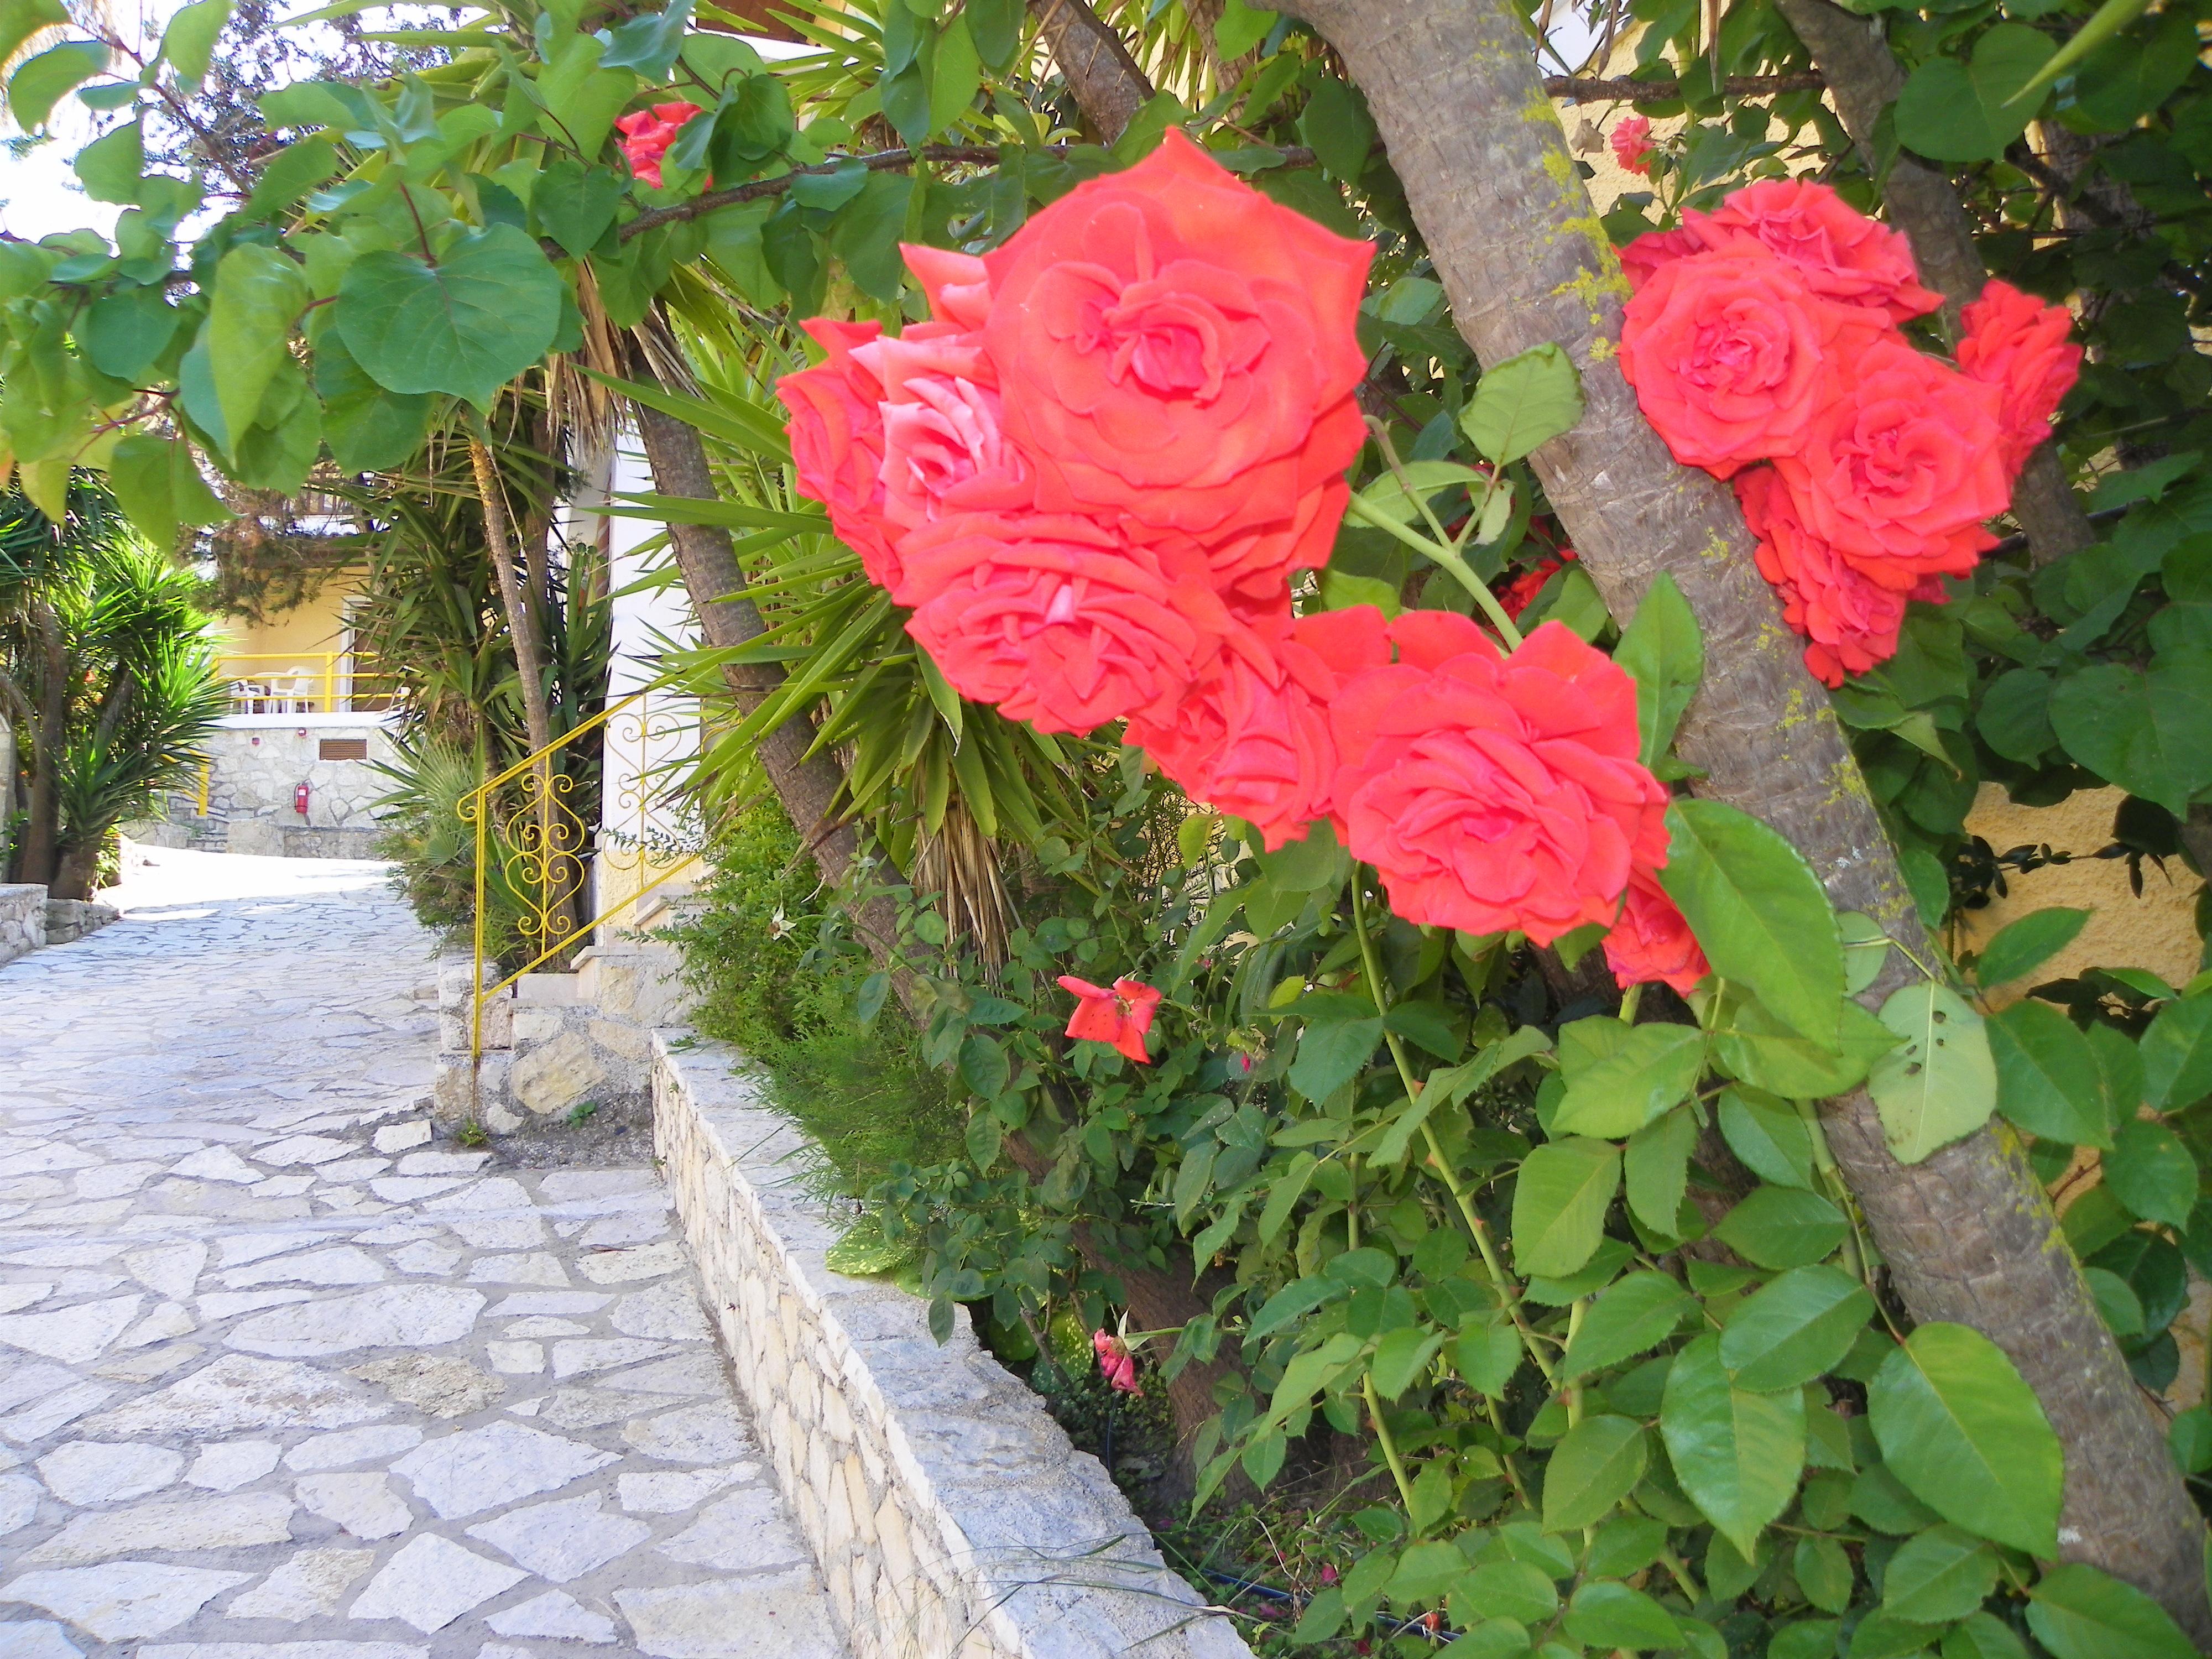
x,y
1730,355
647,135
1642,258
1495,793
836,430
1056,620
1115,1363
944,447
1252,737
1652,940
1631,143
2014,342
1175,348
1840,252
1849,623
1900,468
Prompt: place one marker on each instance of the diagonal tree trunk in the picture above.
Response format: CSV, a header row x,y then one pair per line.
x,y
42,833
1969,1234
1108,86
1864,79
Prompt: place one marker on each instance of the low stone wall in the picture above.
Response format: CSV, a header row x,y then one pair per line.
x,y
22,919
256,762
950,1513
70,920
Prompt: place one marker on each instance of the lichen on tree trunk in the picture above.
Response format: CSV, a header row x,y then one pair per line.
x,y
1969,1234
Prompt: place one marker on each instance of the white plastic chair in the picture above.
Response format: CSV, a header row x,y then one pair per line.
x,y
289,692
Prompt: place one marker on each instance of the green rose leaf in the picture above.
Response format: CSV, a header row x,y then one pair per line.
x,y
1330,1055
1783,1227
1525,401
466,325
1796,1328
2080,1613
1635,1314
1769,1136
1966,1435
1943,1574
1941,1084
1612,1615
1760,913
1559,1203
1656,1168
1650,1069
1736,1453
1823,1570
2177,1055
1596,1465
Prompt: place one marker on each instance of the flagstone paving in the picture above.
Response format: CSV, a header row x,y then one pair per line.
x,y
283,1378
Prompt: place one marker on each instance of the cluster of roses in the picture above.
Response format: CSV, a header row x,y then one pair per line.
x,y
1763,343
1091,475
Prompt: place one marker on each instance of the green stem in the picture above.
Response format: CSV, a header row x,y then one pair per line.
x,y
1831,1177
1628,1001
1389,1446
1475,1225
1463,572
1690,1587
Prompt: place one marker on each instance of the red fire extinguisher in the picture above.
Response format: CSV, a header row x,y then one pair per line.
x,y
300,800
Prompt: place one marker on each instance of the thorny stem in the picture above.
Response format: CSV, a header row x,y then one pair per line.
x,y
1441,550
1475,1225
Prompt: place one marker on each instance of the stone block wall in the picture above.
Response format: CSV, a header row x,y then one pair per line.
x,y
254,768
22,919
951,1517
70,920
552,1041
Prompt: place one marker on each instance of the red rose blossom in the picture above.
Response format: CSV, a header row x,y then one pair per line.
x,y
1175,349
1252,737
1900,468
1840,252
836,430
1120,1016
1642,258
2015,343
1848,622
1521,593
1730,354
1631,143
647,135
944,447
1055,619
1652,941
1495,794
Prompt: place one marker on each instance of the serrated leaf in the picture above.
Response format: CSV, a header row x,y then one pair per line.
x,y
1609,1615
1524,402
2177,1055
1559,1203
1967,1437
1941,1085
1768,1136
1945,1573
1736,1453
1795,1329
1400,1356
1635,1315
1655,1167
1783,1227
1760,913
1652,1068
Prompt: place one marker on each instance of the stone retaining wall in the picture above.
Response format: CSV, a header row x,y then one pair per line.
x,y
22,919
950,1513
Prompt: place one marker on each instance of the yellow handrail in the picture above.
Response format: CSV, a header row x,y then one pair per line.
x,y
541,840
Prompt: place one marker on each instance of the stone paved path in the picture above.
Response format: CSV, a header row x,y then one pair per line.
x,y
281,1378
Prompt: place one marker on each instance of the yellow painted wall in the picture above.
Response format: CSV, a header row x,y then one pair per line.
x,y
305,632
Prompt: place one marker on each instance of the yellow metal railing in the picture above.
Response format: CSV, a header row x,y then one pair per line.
x,y
522,817
304,682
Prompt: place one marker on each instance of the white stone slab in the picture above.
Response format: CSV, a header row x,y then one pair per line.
x,y
431,1582
190,1523
623,1266
390,1316
233,1463
555,1614
364,1504
564,1539
122,1601
673,1491
375,1444
72,1334
745,1532
478,1469
98,1472
341,1264
398,1137
306,1585
670,1310
693,1621
695,1434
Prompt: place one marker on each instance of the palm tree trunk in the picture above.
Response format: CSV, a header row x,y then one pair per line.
x,y
1969,1234
1864,79
1108,86
42,832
